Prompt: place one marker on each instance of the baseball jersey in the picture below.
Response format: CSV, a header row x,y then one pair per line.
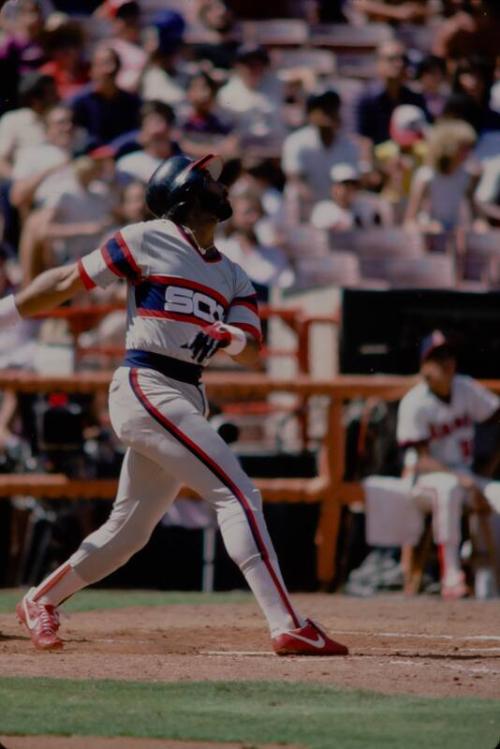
x,y
173,289
447,428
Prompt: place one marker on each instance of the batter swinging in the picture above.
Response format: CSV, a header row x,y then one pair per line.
x,y
185,300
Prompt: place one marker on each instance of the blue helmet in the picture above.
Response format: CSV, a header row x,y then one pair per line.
x,y
180,181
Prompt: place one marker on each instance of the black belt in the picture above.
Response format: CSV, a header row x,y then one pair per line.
x,y
168,366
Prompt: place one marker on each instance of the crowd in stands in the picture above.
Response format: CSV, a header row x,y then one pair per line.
x,y
356,119
361,140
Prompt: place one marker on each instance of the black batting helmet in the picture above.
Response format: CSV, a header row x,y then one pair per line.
x,y
179,181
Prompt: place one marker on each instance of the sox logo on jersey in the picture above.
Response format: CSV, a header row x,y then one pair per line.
x,y
189,302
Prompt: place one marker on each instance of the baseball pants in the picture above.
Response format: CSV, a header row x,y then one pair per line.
x,y
170,444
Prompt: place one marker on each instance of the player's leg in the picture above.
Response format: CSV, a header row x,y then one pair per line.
x,y
181,440
486,530
145,492
441,494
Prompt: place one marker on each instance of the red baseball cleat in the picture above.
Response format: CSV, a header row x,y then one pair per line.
x,y
308,640
42,622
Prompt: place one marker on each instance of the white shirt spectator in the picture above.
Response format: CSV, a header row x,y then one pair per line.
x,y
79,205
304,155
488,189
34,159
158,85
133,59
256,112
138,165
19,129
365,212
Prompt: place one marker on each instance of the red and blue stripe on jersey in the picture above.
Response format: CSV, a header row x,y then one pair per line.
x,y
119,259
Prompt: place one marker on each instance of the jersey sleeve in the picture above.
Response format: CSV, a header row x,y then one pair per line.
x,y
412,426
118,257
243,310
481,402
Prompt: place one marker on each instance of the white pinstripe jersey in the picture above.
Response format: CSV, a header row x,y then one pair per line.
x,y
173,290
447,428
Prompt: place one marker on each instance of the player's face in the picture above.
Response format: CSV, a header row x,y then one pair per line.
x,y
216,200
438,375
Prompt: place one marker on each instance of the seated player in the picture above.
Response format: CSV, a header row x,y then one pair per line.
x,y
436,429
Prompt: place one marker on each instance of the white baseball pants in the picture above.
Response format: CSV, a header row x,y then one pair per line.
x,y
170,444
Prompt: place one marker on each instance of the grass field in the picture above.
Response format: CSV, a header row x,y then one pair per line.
x,y
96,600
312,715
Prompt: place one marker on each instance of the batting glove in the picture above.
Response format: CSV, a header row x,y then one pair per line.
x,y
218,335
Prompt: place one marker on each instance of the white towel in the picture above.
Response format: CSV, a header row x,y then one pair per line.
x,y
392,517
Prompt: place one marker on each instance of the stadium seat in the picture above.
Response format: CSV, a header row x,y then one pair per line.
x,y
482,256
304,242
320,61
340,36
276,32
429,272
339,268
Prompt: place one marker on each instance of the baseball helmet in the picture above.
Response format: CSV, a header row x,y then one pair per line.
x,y
179,181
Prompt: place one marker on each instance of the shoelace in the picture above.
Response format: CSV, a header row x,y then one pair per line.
x,y
49,620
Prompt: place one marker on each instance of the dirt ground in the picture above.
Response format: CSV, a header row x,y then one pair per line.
x,y
420,646
94,742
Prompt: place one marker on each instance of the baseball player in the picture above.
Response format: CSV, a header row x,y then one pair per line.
x,y
436,428
185,301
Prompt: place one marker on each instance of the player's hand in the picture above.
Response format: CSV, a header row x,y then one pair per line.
x,y
205,343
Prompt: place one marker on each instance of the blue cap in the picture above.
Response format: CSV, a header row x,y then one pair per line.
x,y
170,27
430,343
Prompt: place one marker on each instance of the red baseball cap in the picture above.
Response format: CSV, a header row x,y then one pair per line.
x,y
113,7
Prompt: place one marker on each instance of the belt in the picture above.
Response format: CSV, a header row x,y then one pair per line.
x,y
166,365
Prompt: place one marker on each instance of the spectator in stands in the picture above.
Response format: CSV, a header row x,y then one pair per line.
x,y
73,219
162,80
472,25
125,39
398,158
132,207
383,95
310,153
105,110
441,191
155,143
219,37
41,169
474,77
64,47
487,195
431,83
267,266
253,97
203,127
392,11
263,176
22,46
350,207
25,126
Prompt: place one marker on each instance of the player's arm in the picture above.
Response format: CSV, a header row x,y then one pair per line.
x,y
45,292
